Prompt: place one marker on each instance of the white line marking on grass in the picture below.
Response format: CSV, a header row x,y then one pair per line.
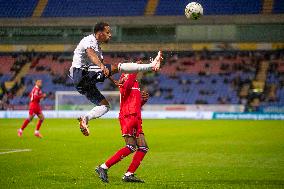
x,y
14,151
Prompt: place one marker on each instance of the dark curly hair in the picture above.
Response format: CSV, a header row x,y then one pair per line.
x,y
100,26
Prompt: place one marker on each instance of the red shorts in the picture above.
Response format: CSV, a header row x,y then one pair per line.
x,y
131,125
35,109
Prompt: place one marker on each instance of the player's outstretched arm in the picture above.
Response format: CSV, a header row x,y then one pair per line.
x,y
144,97
38,96
115,82
95,60
43,95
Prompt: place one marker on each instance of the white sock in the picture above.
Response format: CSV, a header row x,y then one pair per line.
x,y
36,131
20,130
128,174
103,166
134,67
97,111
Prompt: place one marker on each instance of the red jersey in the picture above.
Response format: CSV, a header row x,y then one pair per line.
x,y
130,96
35,96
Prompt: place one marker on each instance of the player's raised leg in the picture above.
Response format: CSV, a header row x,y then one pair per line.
x,y
38,125
137,158
25,124
98,111
118,156
135,67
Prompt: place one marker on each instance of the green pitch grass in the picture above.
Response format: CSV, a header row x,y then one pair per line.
x,y
183,154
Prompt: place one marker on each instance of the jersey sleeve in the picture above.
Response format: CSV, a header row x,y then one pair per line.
x,y
91,44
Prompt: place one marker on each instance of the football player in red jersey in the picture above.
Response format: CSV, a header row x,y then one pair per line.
x,y
35,96
131,101
88,68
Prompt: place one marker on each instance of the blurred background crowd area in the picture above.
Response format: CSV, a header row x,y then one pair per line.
x,y
233,55
205,77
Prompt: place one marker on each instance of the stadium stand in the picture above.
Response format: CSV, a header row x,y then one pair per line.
x,y
212,7
187,78
278,7
73,8
90,8
17,8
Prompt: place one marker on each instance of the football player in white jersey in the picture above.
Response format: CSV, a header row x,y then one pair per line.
x,y
88,68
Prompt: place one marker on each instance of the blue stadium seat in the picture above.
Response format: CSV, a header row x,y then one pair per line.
x,y
278,6
17,8
211,7
87,8
5,77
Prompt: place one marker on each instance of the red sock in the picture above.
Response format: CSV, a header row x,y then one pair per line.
x,y
119,155
26,122
38,124
137,158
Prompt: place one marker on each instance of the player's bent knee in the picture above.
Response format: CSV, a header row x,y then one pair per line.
x,y
41,118
104,103
131,147
107,107
144,149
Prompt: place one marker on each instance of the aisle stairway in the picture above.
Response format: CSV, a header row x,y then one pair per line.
x,y
17,80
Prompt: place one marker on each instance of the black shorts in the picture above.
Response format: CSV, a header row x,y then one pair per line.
x,y
85,82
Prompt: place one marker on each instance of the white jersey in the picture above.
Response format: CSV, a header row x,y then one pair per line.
x,y
80,57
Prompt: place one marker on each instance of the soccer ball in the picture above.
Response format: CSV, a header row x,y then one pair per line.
x,y
193,11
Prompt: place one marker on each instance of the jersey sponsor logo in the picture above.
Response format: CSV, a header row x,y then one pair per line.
x,y
135,88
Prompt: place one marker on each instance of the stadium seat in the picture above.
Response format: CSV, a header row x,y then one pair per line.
x,y
17,8
90,8
87,8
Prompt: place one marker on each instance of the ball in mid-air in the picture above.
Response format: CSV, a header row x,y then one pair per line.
x,y
193,10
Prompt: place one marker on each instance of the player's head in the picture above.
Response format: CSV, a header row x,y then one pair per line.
x,y
38,83
102,32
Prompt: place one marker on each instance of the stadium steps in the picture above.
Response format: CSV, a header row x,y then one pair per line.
x,y
21,90
272,93
40,8
262,72
151,7
23,72
244,91
267,6
259,82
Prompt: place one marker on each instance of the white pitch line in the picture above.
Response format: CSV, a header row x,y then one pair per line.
x,y
14,151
